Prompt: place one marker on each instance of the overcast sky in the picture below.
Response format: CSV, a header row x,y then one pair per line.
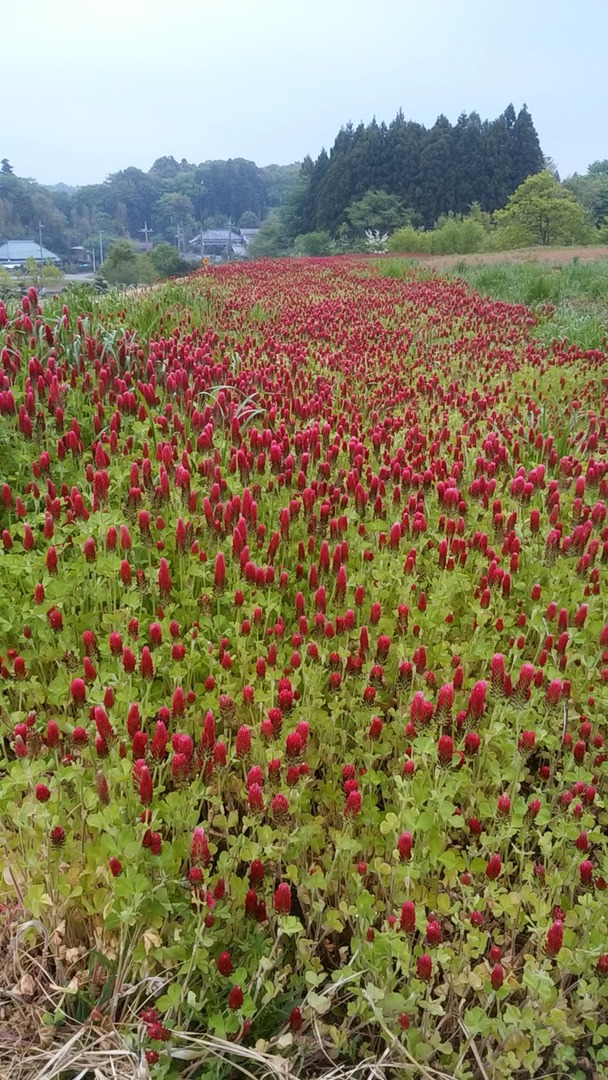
x,y
88,87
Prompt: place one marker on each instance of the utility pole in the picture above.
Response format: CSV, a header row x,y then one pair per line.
x,y
40,228
100,248
146,231
93,254
202,220
229,244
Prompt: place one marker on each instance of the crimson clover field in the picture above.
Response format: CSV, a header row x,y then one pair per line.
x,y
304,676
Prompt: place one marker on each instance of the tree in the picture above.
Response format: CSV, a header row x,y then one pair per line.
x,y
167,260
119,266
165,167
551,166
528,157
436,177
5,166
541,211
297,212
598,168
171,210
313,243
50,274
269,242
249,220
278,180
123,267
377,210
136,192
591,191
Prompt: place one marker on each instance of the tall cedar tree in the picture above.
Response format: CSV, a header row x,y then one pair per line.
x,y
434,170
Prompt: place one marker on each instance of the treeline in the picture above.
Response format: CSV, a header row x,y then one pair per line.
x,y
172,196
431,170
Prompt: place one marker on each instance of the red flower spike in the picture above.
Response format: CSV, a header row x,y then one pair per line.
x,y
445,750
224,964
281,901
404,846
424,967
235,998
493,867
295,1019
408,917
554,937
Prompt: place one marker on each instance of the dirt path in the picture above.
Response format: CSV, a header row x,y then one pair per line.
x,y
556,256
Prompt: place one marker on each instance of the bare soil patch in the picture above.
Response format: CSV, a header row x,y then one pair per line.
x,y
556,256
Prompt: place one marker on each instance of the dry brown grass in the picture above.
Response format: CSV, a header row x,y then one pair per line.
x,y
99,1049
552,256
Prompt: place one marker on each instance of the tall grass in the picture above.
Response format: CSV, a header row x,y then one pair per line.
x,y
577,293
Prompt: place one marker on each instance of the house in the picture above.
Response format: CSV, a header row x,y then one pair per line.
x,y
80,256
16,252
227,242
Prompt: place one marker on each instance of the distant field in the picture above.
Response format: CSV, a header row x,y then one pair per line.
x,y
554,256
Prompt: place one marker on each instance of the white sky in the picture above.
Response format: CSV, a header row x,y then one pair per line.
x,y
88,87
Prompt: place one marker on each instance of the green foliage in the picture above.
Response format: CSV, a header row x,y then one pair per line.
x,y
279,181
50,274
23,203
592,192
167,261
122,266
313,243
432,171
269,242
249,220
598,168
377,210
453,234
31,268
410,240
461,236
171,194
541,211
171,209
6,280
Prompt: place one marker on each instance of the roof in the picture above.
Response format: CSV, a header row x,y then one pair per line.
x,y
218,236
17,251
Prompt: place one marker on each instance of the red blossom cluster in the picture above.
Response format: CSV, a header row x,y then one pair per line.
x,y
305,624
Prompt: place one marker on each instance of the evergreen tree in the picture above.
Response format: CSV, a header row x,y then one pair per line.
x,y
528,157
498,145
435,189
297,214
469,162
436,171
